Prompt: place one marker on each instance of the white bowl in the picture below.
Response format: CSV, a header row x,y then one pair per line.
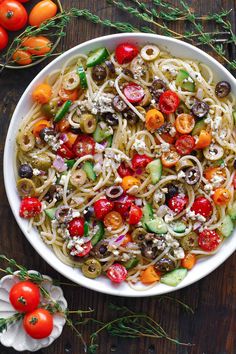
x,y
176,48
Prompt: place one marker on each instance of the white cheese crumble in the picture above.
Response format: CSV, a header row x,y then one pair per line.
x,y
181,174
36,172
139,145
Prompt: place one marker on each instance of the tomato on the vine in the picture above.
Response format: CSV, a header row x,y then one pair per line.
x,y
117,273
13,15
24,296
102,207
3,38
38,324
30,207
208,240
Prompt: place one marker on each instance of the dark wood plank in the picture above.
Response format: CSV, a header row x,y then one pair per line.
x,y
212,328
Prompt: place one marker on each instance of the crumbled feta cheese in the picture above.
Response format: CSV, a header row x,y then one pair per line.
x,y
75,213
63,179
118,179
172,131
115,252
165,147
157,197
170,69
217,180
97,168
181,174
179,253
139,145
36,172
216,123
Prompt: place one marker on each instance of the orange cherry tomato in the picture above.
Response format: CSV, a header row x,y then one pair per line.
x,y
189,261
184,123
127,239
22,57
42,93
204,140
150,275
221,196
129,181
3,38
211,172
66,95
113,220
37,45
71,139
63,125
154,119
167,138
170,158
43,123
13,15
41,12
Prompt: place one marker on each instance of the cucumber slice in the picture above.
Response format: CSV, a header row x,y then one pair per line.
x,y
62,111
226,227
157,226
232,211
82,75
101,134
234,117
178,226
88,169
50,213
147,214
97,57
184,80
109,140
86,228
182,108
174,277
200,125
99,234
155,170
70,163
131,263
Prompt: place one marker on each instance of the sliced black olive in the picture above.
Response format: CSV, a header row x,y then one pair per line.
x,y
128,72
234,163
157,88
114,192
131,117
149,247
99,73
110,118
54,192
138,235
88,212
64,214
47,134
119,105
200,109
100,250
192,175
25,171
165,265
222,89
148,251
172,191
111,66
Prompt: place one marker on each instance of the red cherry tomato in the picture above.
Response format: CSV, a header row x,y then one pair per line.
x,y
202,206
3,38
135,214
23,0
13,15
124,206
208,240
234,181
117,273
84,145
126,52
102,207
140,161
76,227
65,152
177,203
169,102
185,144
134,92
86,249
24,296
38,324
124,170
30,207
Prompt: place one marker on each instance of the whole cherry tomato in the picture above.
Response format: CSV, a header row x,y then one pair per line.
x,y
76,227
117,273
169,102
124,170
102,207
65,152
124,206
37,45
24,296
86,249
13,15
30,207
41,12
3,38
208,240
202,206
140,161
38,324
135,214
126,52
134,92
84,145
177,203
22,57
185,144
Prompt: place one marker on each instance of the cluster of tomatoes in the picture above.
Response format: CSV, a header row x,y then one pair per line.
x,y
25,298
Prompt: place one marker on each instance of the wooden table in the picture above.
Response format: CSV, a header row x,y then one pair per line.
x,y
213,326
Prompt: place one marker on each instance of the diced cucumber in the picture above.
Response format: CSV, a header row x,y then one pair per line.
x,y
157,225
174,277
226,227
62,111
86,228
184,80
182,108
99,234
70,163
131,263
217,163
232,211
147,214
178,226
234,117
200,125
50,213
155,170
101,134
88,169
97,57
109,140
82,75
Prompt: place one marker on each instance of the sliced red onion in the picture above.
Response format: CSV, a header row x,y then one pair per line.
x,y
59,164
120,238
98,158
104,143
197,225
116,241
63,137
122,199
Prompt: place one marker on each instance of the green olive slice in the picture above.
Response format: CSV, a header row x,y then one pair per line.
x,y
91,268
190,241
88,123
78,178
71,81
26,141
26,187
42,162
138,234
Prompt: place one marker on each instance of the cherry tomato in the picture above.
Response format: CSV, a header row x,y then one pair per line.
x,y
24,296
38,324
41,12
202,206
124,206
22,57
13,15
184,123
129,181
135,214
169,102
170,158
177,203
221,196
84,145
185,144
65,152
30,207
86,249
102,207
140,161
37,45
3,38
66,95
23,0
113,220
126,52
234,181
117,273
76,227
124,170
134,92
208,240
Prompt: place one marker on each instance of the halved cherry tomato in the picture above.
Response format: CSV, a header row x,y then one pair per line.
x,y
202,206
117,273
185,144
3,38
38,126
133,92
22,57
76,227
71,138
84,145
204,140
124,170
37,45
129,181
135,214
24,296
113,220
208,240
126,240
30,207
41,12
42,93
38,324
63,125
154,119
189,261
13,15
86,249
170,158
140,161
184,123
211,172
125,52
102,207
124,206
177,203
169,102
65,152
67,95
221,196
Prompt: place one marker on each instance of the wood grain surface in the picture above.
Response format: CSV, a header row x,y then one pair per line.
x,y
213,326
